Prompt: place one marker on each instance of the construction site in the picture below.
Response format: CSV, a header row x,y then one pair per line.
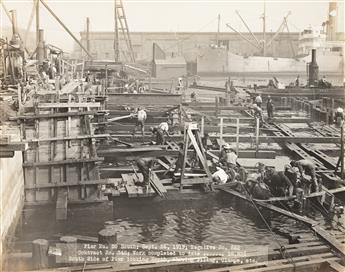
x,y
114,164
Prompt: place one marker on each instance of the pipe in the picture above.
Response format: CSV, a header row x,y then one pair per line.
x,y
65,27
14,22
9,16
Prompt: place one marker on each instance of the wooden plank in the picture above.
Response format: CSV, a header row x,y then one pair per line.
x,y
62,162
166,166
56,115
120,99
69,105
195,181
68,138
246,138
6,154
61,204
70,184
158,186
14,146
336,267
129,185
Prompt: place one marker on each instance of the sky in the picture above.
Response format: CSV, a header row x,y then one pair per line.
x,y
169,15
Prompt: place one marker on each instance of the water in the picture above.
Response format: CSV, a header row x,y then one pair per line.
x,y
217,219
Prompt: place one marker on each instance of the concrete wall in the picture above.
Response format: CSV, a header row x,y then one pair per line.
x,y
12,189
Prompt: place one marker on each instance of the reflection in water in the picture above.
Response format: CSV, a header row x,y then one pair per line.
x,y
213,220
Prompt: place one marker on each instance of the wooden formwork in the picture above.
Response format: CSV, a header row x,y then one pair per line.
x,y
62,151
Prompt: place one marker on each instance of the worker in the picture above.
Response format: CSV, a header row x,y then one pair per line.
x,y
258,113
145,167
205,140
220,176
324,83
229,159
223,156
339,116
258,100
180,85
162,130
307,167
278,182
179,162
88,77
297,81
269,108
193,96
255,188
141,118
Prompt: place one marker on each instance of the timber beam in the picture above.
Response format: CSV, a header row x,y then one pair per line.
x,y
70,184
56,115
70,161
243,138
160,151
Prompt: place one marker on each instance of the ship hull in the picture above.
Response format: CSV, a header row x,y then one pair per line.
x,y
220,61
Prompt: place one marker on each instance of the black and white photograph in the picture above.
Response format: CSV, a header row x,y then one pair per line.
x,y
172,135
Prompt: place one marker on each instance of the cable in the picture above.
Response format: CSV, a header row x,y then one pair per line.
x,y
282,248
188,37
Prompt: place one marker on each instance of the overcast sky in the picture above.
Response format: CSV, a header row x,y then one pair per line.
x,y
170,15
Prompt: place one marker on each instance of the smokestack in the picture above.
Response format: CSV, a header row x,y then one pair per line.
x,y
313,56
14,22
313,70
332,19
41,47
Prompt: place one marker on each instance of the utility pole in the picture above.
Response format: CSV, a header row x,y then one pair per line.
x,y
218,30
88,34
264,29
116,34
37,21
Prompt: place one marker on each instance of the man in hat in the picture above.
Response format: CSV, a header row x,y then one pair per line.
x,y
161,130
229,159
339,116
141,118
307,167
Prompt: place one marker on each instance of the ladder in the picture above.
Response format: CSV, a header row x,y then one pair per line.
x,y
122,26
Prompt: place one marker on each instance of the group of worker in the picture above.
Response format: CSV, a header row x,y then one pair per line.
x,y
297,176
267,182
257,108
226,171
160,132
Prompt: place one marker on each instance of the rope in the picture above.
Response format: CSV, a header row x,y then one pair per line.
x,y
190,36
282,248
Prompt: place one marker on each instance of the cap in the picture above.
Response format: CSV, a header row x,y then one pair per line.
x,y
227,146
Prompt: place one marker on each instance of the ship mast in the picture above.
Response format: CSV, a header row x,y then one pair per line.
x,y
116,34
218,29
264,29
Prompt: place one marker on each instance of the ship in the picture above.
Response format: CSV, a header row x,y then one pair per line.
x,y
216,59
